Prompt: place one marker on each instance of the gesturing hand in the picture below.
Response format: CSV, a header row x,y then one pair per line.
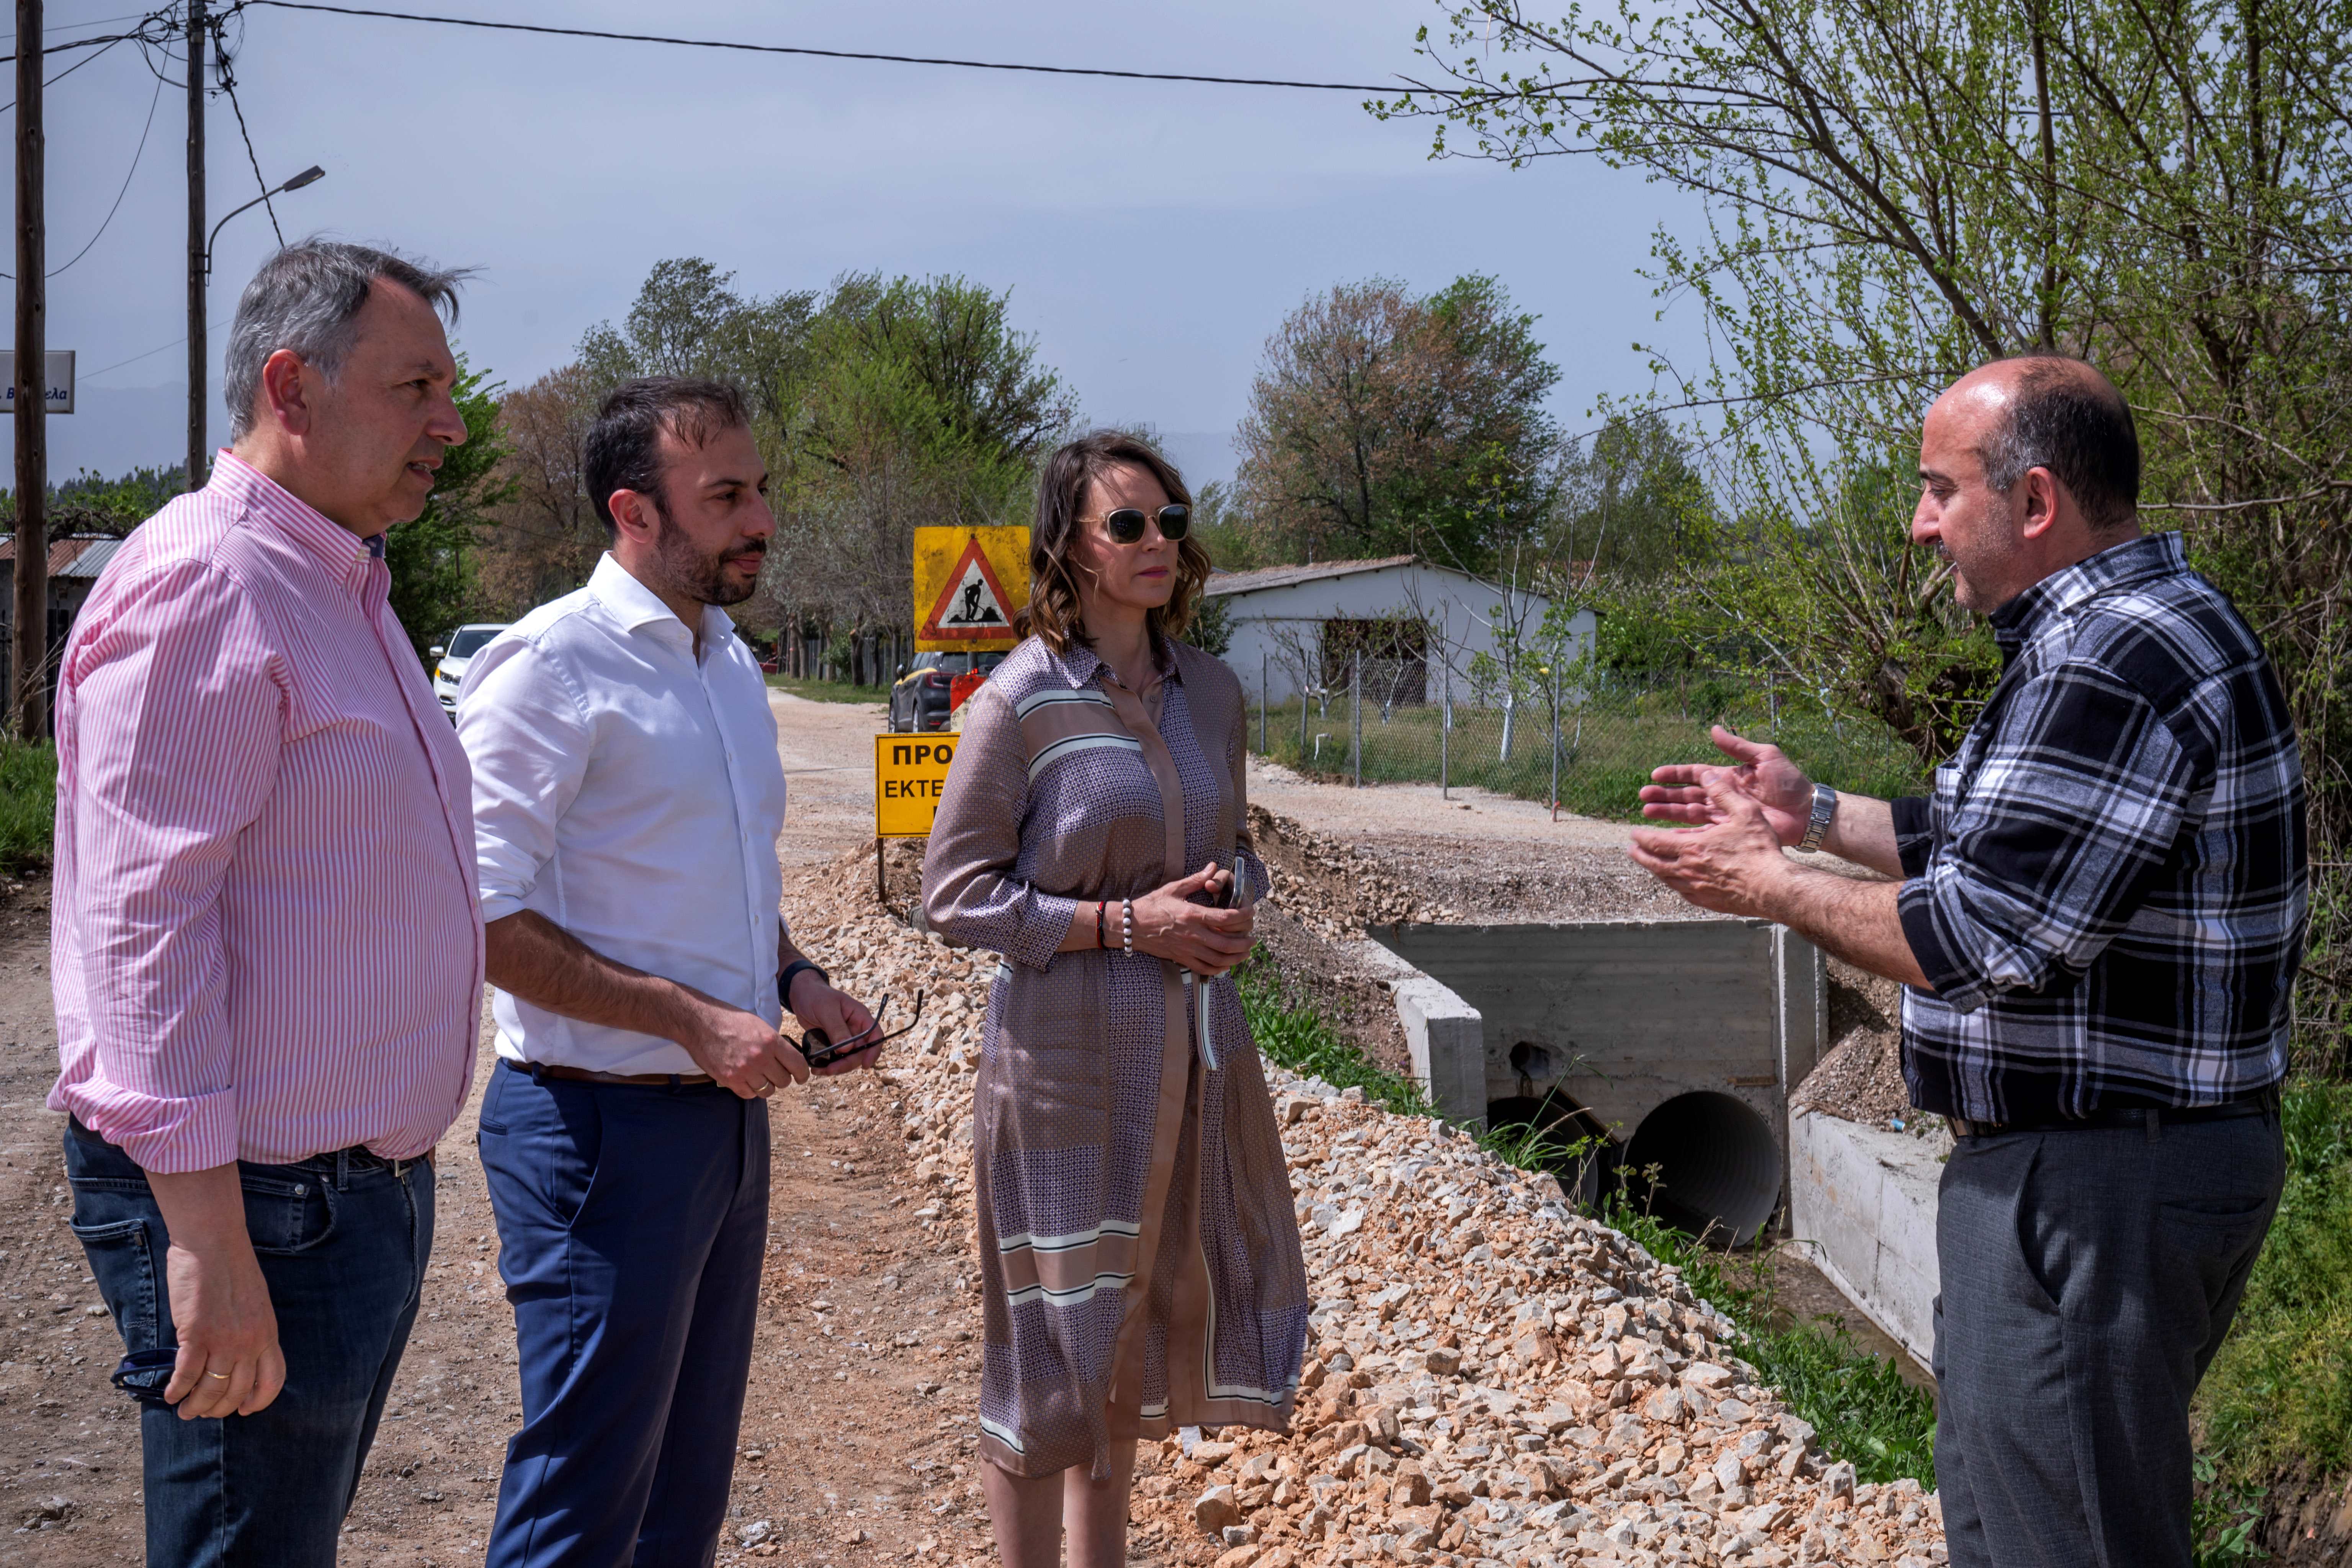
x,y
1764,775
1728,864
1206,940
841,1015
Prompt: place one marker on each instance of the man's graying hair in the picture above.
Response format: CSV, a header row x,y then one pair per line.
x,y
2068,418
306,298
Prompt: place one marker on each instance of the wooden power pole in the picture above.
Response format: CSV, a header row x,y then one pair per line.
x,y
29,661
199,359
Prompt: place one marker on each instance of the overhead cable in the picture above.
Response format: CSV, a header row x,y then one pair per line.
x,y
840,53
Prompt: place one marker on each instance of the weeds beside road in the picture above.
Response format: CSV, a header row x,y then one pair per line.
x,y
29,804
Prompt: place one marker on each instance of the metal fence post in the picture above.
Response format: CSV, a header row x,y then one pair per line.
x,y
1265,680
1356,718
1445,729
1555,738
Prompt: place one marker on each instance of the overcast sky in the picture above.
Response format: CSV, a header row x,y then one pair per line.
x,y
1152,234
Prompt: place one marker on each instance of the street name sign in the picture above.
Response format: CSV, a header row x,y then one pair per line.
x,y
58,385
969,582
909,772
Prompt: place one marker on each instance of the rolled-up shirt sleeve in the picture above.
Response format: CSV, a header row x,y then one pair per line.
x,y
1915,832
182,706
970,891
525,731
2071,815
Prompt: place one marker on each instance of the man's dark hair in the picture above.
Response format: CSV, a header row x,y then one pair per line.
x,y
623,450
2068,418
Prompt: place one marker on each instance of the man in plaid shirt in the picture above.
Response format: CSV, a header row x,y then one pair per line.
x,y
2097,916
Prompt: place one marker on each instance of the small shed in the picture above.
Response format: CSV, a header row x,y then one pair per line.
x,y
1407,619
75,562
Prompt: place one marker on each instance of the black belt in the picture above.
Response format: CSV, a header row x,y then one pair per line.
x,y
586,1075
2264,1102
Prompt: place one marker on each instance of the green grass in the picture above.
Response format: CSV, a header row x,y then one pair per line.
x,y
829,690
1288,1028
1607,747
29,804
2281,1389
1858,1403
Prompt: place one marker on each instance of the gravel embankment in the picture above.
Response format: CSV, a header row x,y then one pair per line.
x,y
1492,1378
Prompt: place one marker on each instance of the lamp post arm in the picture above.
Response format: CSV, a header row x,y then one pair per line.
x,y
224,222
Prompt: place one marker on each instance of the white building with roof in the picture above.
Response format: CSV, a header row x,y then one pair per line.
x,y
1417,624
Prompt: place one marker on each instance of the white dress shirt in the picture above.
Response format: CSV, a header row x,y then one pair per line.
x,y
632,794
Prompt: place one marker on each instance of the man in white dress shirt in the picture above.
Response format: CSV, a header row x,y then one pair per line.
x,y
627,797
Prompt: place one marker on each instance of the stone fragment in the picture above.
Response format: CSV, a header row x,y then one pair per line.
x,y
1215,1508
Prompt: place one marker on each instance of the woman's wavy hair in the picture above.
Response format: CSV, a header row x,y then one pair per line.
x,y
1053,610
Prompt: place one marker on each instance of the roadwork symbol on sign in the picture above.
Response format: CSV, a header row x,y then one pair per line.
x,y
969,585
909,772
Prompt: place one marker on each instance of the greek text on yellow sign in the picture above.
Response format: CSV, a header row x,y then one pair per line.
x,y
909,771
969,585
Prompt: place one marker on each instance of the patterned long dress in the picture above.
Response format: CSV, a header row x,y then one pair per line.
x,y
1139,1251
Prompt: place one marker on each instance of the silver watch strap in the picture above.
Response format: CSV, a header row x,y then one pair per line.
x,y
1817,827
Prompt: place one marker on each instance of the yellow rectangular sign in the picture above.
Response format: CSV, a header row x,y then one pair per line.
x,y
969,585
909,771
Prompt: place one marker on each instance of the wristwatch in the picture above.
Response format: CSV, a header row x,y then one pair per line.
x,y
792,971
1817,826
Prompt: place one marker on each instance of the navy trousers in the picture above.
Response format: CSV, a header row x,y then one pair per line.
x,y
342,1243
633,1220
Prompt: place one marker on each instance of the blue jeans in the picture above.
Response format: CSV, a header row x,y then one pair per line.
x,y
342,1243
633,1221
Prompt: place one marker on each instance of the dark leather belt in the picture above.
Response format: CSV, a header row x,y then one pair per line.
x,y
2264,1102
582,1075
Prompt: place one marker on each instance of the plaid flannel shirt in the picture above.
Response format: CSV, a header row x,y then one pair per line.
x,y
2107,891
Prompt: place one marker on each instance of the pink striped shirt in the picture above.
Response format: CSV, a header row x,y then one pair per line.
x,y
265,938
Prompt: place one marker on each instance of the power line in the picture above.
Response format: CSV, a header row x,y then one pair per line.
x,y
86,43
134,359
10,36
135,157
838,54
228,86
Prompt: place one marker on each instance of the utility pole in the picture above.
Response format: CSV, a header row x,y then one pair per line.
x,y
29,663
199,360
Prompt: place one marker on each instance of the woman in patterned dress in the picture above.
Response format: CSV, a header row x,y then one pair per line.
x,y
1138,1253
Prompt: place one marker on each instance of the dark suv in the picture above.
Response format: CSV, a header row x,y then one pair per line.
x,y
920,699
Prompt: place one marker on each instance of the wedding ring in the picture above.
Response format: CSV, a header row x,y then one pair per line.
x,y
221,1375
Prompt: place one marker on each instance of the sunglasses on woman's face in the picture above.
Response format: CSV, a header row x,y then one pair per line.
x,y
1126,523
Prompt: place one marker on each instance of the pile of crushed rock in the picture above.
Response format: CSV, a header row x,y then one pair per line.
x,y
1492,1378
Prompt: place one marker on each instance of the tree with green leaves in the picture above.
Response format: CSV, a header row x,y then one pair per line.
x,y
432,559
1383,423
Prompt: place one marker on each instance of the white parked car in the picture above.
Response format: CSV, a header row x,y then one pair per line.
x,y
450,662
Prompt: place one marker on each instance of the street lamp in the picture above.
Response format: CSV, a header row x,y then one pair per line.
x,y
307,176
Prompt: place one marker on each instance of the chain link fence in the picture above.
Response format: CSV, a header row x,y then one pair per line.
x,y
1583,740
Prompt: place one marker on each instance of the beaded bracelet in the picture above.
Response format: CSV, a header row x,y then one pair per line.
x,y
1127,927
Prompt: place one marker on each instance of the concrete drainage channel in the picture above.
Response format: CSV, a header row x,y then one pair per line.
x,y
1677,1045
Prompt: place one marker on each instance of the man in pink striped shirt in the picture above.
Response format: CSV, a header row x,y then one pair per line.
x,y
267,950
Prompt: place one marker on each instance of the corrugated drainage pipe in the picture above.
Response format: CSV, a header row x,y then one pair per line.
x,y
1716,1163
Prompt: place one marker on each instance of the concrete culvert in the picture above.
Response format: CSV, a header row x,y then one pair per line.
x,y
1716,1161
1580,1151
